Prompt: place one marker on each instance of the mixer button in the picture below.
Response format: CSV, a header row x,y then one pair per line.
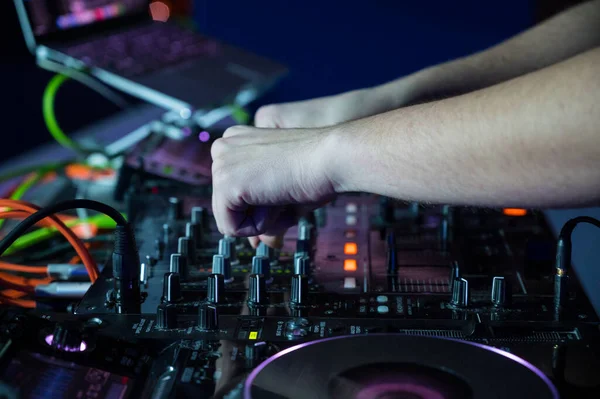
x,y
208,318
382,299
178,264
351,220
501,293
460,293
383,309
351,207
166,316
227,249
256,289
349,283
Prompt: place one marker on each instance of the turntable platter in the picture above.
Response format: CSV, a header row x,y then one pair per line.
x,y
389,366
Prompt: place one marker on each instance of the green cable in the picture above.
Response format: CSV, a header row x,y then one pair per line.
x,y
50,118
30,169
22,188
240,115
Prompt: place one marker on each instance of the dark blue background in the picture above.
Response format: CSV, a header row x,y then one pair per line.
x,y
329,46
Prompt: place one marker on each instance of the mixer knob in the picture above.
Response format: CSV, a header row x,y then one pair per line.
x,y
299,295
166,316
303,244
454,271
215,288
392,254
172,288
195,234
256,289
501,293
66,339
221,265
208,318
266,251
185,247
321,217
227,249
302,265
460,293
175,211
198,215
261,265
179,265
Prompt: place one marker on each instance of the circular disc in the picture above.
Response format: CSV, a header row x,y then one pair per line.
x,y
390,366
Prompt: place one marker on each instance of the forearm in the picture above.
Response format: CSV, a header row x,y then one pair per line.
x,y
567,34
533,141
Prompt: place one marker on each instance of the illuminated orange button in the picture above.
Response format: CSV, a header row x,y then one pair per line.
x,y
350,265
350,248
515,212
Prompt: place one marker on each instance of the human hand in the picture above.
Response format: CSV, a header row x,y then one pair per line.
x,y
264,179
314,113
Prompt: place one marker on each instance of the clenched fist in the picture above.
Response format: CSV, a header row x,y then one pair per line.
x,y
264,179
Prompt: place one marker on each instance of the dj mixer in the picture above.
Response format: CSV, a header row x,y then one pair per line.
x,y
367,298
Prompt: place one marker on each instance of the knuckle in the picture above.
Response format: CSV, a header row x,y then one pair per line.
x,y
219,148
234,130
266,116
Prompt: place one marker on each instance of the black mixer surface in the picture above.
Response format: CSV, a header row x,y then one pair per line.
x,y
430,302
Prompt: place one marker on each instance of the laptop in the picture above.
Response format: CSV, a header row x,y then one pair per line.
x,y
121,44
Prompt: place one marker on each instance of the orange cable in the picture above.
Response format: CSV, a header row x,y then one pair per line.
x,y
54,221
23,268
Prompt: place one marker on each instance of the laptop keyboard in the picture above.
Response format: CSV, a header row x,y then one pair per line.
x,y
145,49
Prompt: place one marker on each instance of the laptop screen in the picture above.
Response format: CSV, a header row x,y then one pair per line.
x,y
50,16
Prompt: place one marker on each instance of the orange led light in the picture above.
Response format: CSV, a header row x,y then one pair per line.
x,y
350,265
350,248
515,212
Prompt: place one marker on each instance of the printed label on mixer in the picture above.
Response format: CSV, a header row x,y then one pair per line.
x,y
400,305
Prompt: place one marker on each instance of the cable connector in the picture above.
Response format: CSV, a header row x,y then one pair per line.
x,y
126,270
563,259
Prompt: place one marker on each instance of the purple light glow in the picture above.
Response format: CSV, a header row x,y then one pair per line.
x,y
204,136
416,390
523,362
187,131
81,348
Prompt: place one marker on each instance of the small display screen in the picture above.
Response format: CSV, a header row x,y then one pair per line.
x,y
32,375
47,16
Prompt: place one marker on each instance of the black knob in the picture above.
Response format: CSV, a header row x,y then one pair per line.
x,y
254,353
460,293
303,244
199,215
227,249
392,253
256,289
208,318
215,288
299,295
194,233
179,265
186,248
261,265
166,234
166,316
172,288
302,265
175,209
266,251
159,248
501,293
66,339
221,265
321,217
455,271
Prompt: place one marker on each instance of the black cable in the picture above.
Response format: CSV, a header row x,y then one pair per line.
x,y
33,219
563,257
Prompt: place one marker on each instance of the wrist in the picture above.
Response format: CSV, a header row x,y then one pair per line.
x,y
338,153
